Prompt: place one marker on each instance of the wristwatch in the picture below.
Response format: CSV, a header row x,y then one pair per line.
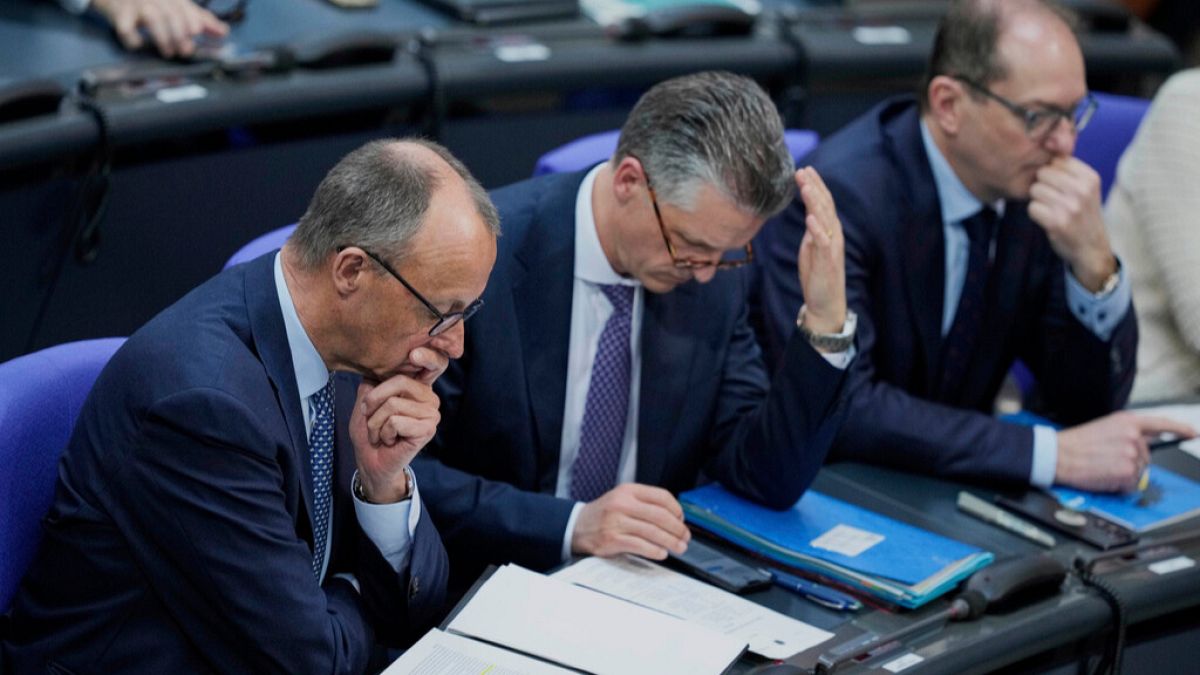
x,y
357,488
829,342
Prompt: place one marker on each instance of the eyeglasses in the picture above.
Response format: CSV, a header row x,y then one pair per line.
x,y
445,321
1039,123
726,263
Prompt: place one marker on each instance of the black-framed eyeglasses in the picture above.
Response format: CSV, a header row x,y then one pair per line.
x,y
1040,122
444,321
727,262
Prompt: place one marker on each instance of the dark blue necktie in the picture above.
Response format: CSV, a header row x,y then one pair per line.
x,y
320,447
607,405
968,318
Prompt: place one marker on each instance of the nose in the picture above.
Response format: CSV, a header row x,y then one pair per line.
x,y
452,342
704,275
1061,139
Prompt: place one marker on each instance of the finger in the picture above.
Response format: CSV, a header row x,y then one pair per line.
x,y
397,386
649,532
1150,424
210,25
657,496
831,217
822,237
1046,216
399,428
628,543
659,518
160,32
125,23
395,408
1062,179
181,38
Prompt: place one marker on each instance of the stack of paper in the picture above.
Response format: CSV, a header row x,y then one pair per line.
x,y
563,624
883,557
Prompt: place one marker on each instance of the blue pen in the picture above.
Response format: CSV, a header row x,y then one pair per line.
x,y
822,595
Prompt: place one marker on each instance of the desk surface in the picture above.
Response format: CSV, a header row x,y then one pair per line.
x,y
993,641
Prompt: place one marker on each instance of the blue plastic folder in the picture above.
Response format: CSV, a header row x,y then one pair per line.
x,y
1169,499
900,563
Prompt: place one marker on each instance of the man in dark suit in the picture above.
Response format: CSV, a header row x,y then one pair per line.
x,y
613,362
974,238
227,503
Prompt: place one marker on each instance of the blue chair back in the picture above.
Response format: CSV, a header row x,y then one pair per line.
x,y
584,152
1104,140
40,397
260,245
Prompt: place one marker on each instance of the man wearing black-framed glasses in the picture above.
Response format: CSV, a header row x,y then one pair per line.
x,y
240,487
973,239
613,362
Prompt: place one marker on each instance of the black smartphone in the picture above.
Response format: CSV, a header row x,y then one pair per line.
x,y
719,569
1087,527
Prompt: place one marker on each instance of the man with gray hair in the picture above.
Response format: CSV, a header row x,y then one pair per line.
x,y
613,362
237,496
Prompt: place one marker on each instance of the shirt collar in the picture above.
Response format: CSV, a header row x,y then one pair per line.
x,y
311,373
591,264
956,200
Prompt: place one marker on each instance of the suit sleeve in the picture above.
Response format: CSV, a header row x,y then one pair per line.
x,y
487,521
771,441
201,498
885,424
1079,376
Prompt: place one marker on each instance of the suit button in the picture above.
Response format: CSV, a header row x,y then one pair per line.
x,y
414,586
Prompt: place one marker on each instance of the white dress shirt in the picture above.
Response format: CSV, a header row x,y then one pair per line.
x,y
590,310
1100,313
378,521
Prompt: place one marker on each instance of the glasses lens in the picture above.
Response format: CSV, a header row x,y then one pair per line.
x,y
1084,112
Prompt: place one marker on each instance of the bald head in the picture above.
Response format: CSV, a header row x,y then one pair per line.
x,y
377,197
973,37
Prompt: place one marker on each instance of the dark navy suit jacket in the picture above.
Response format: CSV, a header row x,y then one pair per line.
x,y
704,402
180,539
900,413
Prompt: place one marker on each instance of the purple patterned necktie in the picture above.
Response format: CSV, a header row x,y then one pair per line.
x,y
607,406
320,449
959,344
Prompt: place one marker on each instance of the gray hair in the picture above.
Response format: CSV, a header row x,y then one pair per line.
x,y
376,197
965,44
716,128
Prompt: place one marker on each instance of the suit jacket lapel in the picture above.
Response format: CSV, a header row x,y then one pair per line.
x,y
669,336
922,237
270,339
542,292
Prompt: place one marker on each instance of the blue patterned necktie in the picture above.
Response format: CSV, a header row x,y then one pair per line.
x,y
959,344
607,405
320,448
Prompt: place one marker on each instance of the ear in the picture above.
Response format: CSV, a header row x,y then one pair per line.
x,y
349,270
629,179
946,97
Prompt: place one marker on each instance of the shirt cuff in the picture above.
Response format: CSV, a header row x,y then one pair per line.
x,y
1045,456
570,533
75,6
379,522
840,360
1100,312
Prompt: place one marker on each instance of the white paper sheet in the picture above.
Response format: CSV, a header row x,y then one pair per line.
x,y
584,629
768,632
441,653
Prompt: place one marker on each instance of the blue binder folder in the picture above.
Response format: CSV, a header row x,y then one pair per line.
x,y
1169,499
886,558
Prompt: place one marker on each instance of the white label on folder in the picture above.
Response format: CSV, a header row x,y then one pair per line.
x,y
882,35
186,92
1172,565
846,540
523,52
897,665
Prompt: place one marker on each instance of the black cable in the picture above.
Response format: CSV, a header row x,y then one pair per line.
x,y
81,228
1110,662
422,49
794,103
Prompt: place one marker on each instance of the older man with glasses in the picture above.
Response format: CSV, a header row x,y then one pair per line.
x,y
973,239
612,361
